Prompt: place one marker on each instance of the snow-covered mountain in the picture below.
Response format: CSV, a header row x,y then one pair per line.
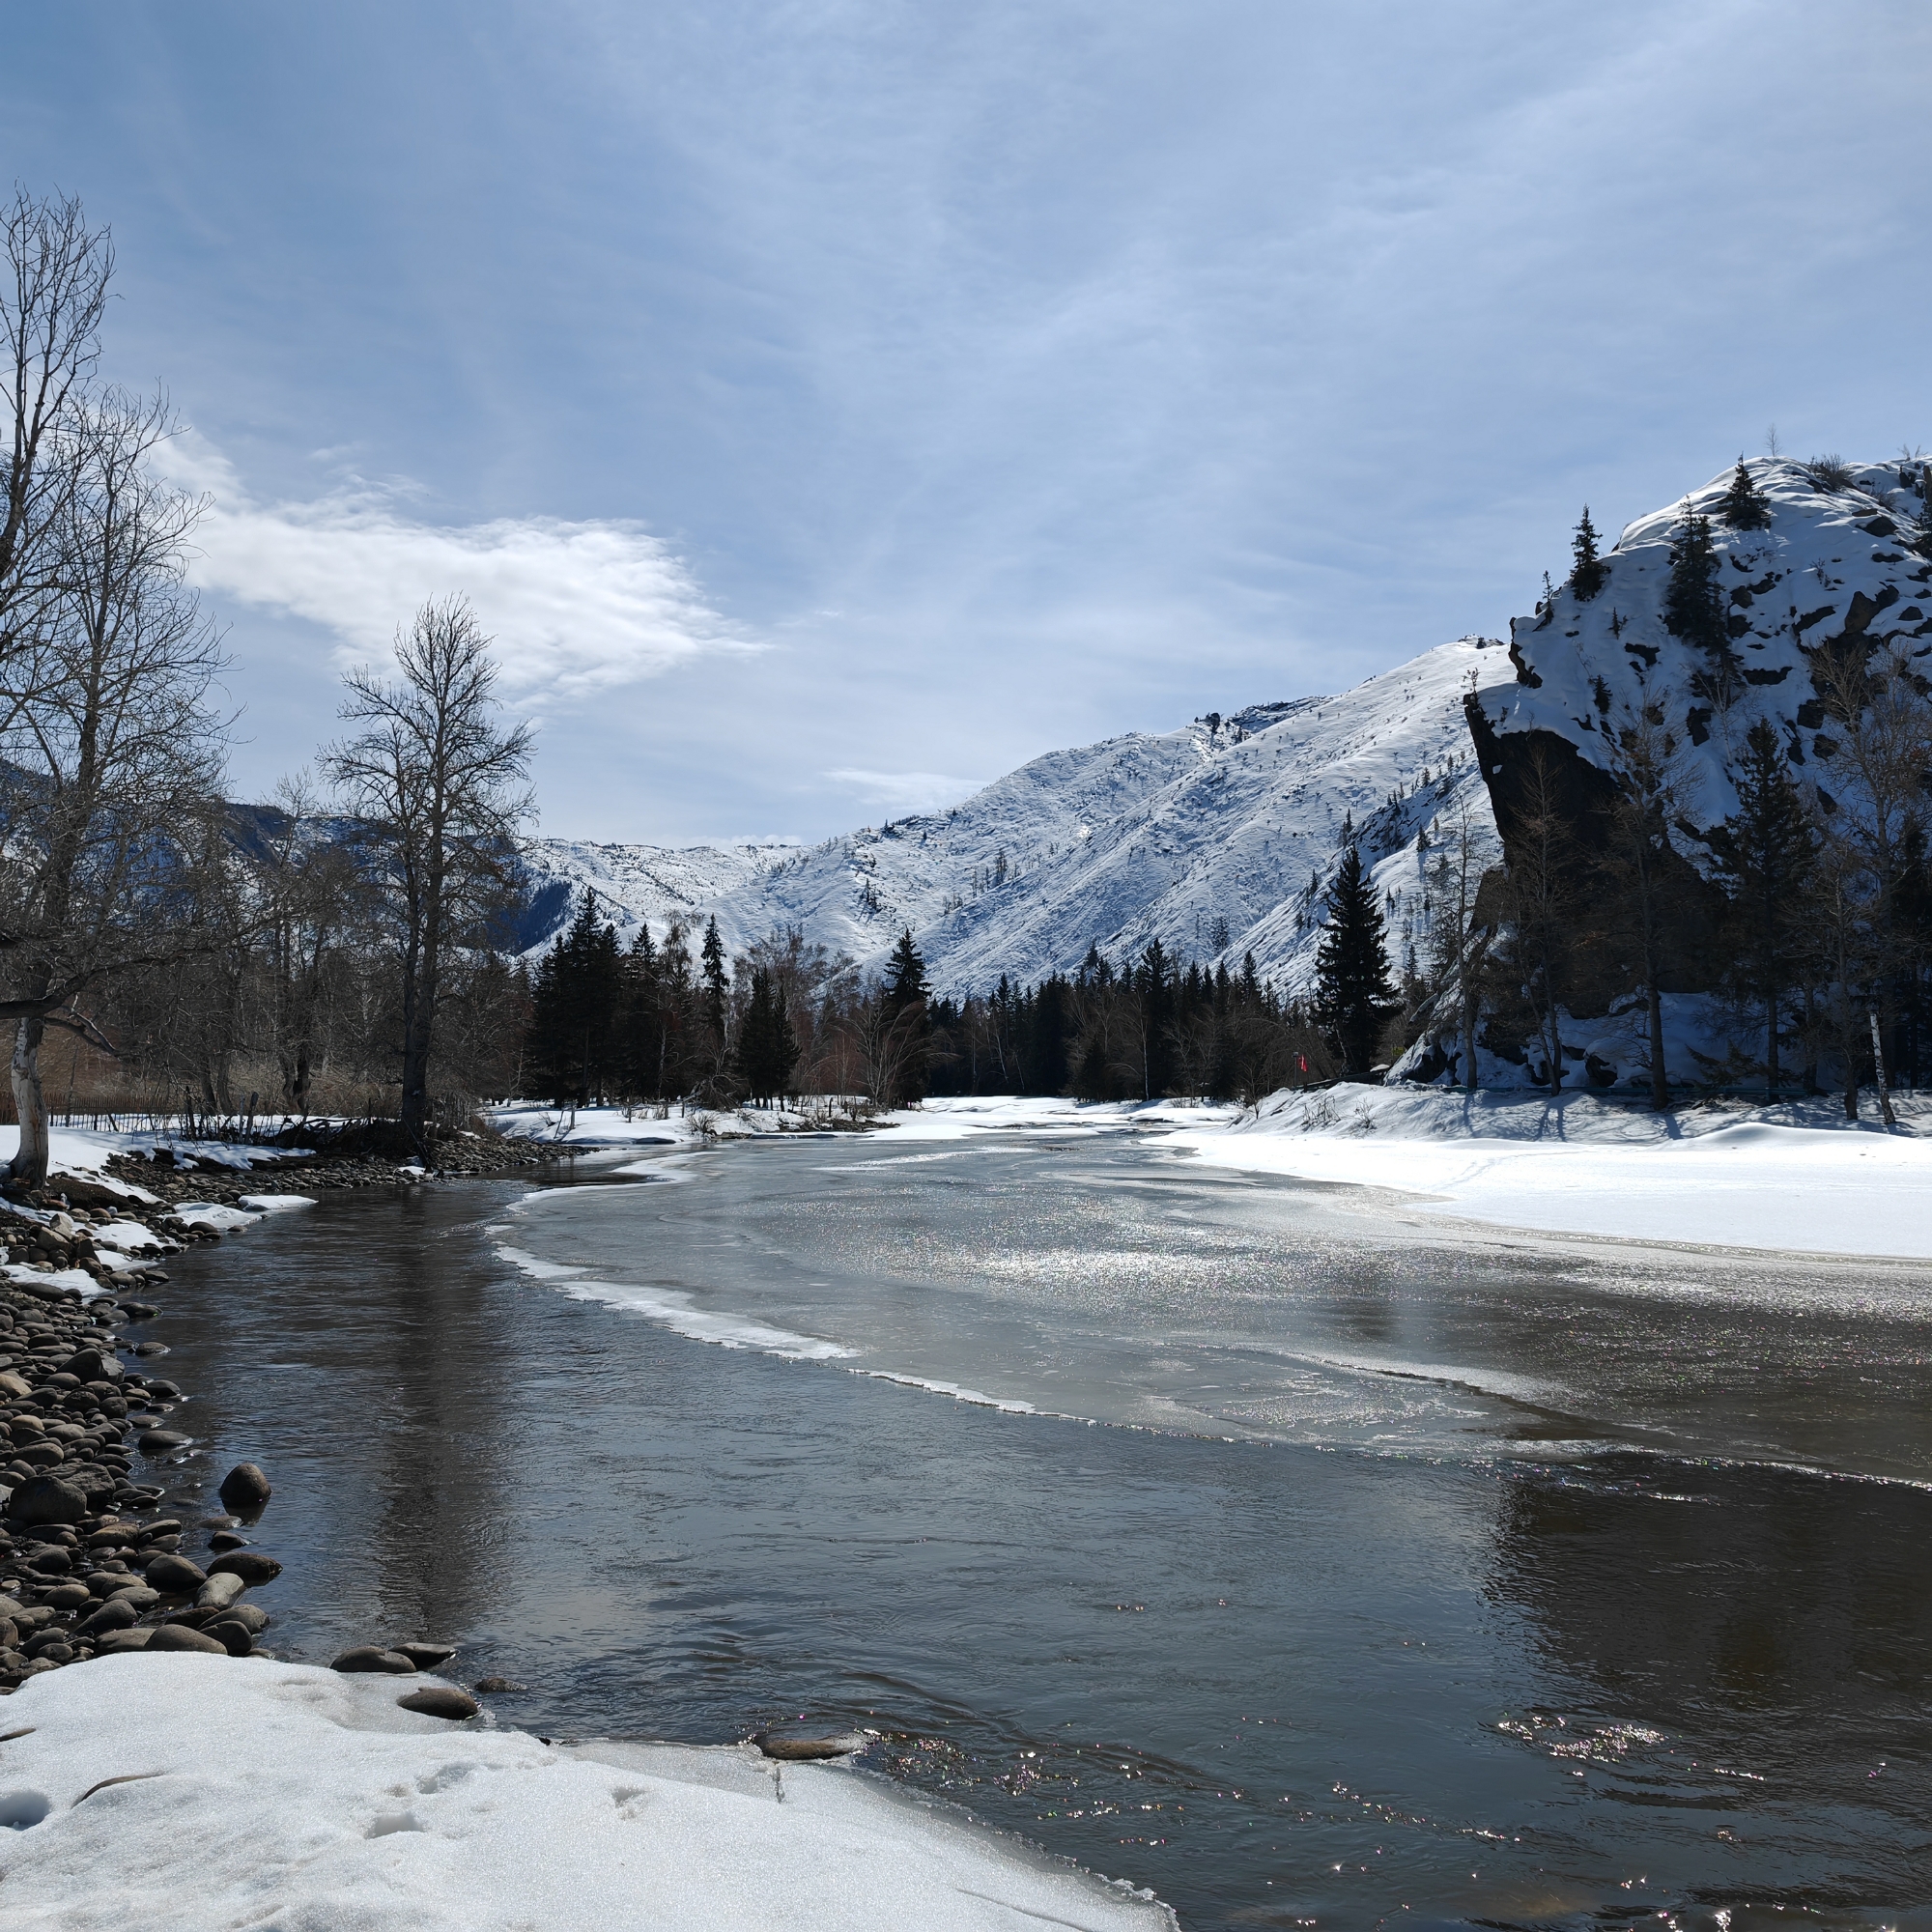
x,y
1828,572
1207,838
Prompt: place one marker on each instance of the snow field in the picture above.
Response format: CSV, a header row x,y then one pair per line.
x,y
265,1793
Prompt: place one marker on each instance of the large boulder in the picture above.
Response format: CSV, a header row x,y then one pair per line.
x,y
46,1499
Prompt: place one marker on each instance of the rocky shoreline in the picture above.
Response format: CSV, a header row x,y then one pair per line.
x,y
89,1566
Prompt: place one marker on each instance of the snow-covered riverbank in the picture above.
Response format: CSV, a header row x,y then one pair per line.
x,y
1797,1178
196,1790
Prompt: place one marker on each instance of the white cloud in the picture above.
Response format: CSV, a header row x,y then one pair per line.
x,y
576,608
907,791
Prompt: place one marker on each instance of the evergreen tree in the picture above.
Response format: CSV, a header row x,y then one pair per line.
x,y
1744,506
1353,994
574,1019
717,1004
905,975
1156,989
1765,854
1692,605
1589,573
767,1047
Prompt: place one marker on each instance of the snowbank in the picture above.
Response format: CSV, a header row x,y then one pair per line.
x,y
262,1793
1793,1178
590,1128
85,1152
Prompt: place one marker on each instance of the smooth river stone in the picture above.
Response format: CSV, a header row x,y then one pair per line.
x,y
46,1499
245,1488
250,1564
372,1657
175,1576
440,1700
179,1636
790,1745
218,1592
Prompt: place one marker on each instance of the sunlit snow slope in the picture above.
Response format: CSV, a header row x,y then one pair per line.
x,y
1171,837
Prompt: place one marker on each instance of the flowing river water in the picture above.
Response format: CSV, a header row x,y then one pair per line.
x,y
1250,1539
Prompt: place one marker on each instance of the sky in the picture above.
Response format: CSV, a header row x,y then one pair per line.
x,y
828,404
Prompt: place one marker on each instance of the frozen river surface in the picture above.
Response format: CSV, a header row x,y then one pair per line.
x,y
1304,1558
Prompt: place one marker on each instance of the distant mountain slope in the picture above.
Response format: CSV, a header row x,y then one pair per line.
x,y
1206,837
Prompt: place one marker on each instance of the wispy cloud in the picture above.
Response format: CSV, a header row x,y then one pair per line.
x,y
907,791
576,608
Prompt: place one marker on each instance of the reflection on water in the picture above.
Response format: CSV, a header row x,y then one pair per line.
x,y
1462,1580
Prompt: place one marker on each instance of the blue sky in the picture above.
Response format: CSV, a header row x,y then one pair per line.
x,y
829,406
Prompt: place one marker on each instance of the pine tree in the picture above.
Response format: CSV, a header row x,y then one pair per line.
x,y
1693,606
905,975
1589,573
767,1047
1765,854
716,1003
1744,506
574,1019
1353,994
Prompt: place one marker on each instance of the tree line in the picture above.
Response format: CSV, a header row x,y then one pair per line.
x,y
660,1019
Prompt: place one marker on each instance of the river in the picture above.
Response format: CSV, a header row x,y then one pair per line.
x,y
1258,1542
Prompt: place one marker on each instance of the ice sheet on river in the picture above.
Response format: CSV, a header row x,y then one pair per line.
x,y
264,1793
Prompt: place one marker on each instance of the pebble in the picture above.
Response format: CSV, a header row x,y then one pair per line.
x,y
440,1700
162,1441
490,1685
427,1656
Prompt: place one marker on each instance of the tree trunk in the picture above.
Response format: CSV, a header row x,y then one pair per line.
x,y
1771,1047
1878,1073
1659,1080
30,1163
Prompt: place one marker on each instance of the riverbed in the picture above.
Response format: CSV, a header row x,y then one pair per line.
x,y
1267,1544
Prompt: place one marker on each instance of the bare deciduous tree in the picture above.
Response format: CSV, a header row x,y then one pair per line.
x,y
109,768
51,301
442,790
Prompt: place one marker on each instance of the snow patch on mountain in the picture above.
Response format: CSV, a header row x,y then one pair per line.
x,y
1217,839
